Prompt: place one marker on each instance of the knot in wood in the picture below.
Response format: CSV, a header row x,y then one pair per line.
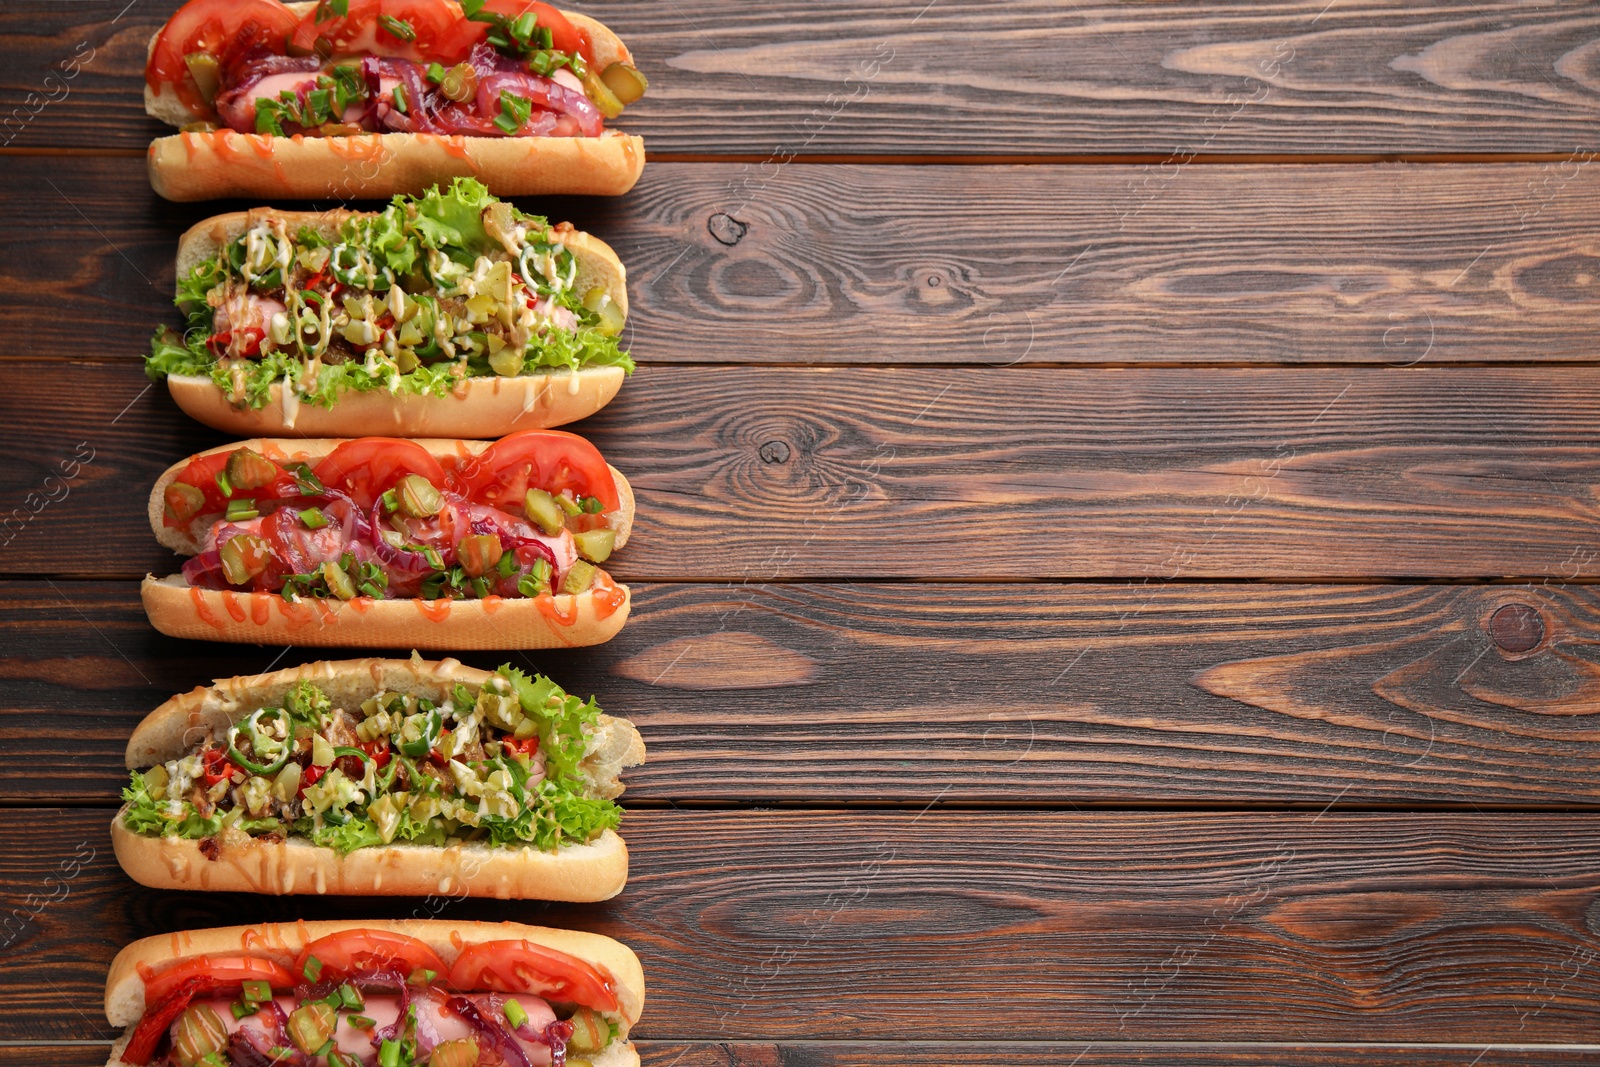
x,y
1516,628
727,229
775,452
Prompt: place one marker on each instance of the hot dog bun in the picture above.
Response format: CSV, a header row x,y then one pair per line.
x,y
206,166
593,871
560,621
125,1004
479,407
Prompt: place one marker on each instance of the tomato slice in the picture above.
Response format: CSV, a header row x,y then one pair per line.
x,y
214,973
363,30
564,36
551,460
368,467
524,967
352,952
225,28
202,473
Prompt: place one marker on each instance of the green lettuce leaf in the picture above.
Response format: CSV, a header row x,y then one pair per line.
x,y
152,818
452,221
561,719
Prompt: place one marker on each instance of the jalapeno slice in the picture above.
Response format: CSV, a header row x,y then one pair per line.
x,y
252,728
421,746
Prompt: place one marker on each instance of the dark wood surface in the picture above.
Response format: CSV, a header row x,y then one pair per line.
x,y
1117,532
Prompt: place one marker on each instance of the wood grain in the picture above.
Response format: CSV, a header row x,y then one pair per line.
x,y
1176,695
782,474
765,926
996,267
954,1054
1046,78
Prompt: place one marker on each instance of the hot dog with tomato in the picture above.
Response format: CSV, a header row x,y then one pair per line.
x,y
362,98
387,543
390,994
369,777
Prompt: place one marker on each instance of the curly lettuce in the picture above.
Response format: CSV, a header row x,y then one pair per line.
x,y
399,239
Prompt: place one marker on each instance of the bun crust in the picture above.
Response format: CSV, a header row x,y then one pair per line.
x,y
478,407
596,870
283,941
224,163
205,166
563,620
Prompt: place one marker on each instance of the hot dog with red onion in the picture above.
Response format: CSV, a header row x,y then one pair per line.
x,y
384,542
362,98
418,993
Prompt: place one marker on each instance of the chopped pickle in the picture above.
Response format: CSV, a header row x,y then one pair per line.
x,y
198,1034
287,785
625,82
339,583
244,556
596,544
507,362
321,751
249,469
418,497
605,100
579,578
183,501
590,1031
569,505
406,361
541,508
311,1025
599,301
460,83
155,782
206,72
461,1052
479,553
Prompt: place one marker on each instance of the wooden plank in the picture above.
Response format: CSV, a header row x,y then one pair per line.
x,y
909,78
954,1054
996,267
766,926
786,474
1231,695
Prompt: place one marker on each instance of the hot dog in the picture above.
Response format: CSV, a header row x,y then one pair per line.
x,y
378,777
367,98
452,314
386,543
396,994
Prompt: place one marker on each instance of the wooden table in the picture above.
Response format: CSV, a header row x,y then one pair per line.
x,y
1117,531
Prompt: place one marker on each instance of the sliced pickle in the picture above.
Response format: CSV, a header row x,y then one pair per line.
x,y
206,72
596,544
625,82
579,578
419,498
605,101
542,508
599,301
339,583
